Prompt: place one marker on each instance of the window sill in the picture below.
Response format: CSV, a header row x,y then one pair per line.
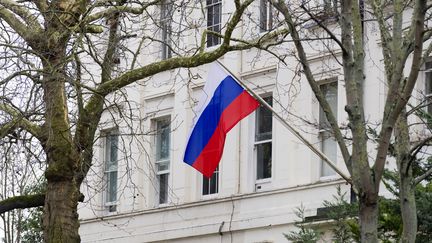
x,y
323,18
107,207
329,177
212,48
163,205
210,196
263,184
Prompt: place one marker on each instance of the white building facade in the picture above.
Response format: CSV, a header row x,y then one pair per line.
x,y
140,190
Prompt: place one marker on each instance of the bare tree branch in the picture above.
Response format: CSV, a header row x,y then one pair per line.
x,y
23,13
25,32
27,201
18,120
422,177
281,6
392,109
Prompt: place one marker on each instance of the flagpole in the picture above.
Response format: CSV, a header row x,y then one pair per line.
x,y
288,126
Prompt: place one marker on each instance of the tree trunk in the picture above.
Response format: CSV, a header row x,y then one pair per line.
x,y
60,213
408,209
369,221
406,181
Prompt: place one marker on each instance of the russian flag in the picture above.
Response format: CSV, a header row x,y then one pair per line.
x,y
223,104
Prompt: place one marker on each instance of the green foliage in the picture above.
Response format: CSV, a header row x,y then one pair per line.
x,y
304,234
424,215
390,213
342,212
31,229
345,226
390,220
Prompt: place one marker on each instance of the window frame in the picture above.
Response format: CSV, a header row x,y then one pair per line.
x,y
158,161
215,176
265,16
325,132
428,86
258,142
210,8
111,206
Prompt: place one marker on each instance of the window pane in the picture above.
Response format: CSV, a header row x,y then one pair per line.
x,y
163,140
214,16
111,157
264,122
428,88
429,105
111,151
111,186
329,148
263,15
428,83
114,146
166,39
328,144
428,65
211,186
330,93
270,17
166,17
206,187
163,188
214,183
264,160
210,16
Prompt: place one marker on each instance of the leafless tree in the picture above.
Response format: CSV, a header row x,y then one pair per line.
x,y
63,61
403,52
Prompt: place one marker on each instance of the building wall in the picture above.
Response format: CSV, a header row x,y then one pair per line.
x,y
242,210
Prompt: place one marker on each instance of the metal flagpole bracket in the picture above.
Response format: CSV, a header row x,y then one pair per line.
x,y
288,126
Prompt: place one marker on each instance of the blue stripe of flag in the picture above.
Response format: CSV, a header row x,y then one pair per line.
x,y
224,94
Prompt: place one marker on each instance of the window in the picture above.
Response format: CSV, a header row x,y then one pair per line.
x,y
211,185
263,140
328,6
110,176
322,9
328,143
165,22
163,133
266,16
214,19
428,86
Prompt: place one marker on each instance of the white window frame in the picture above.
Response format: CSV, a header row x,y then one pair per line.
x,y
111,206
327,131
260,183
214,4
158,162
166,9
